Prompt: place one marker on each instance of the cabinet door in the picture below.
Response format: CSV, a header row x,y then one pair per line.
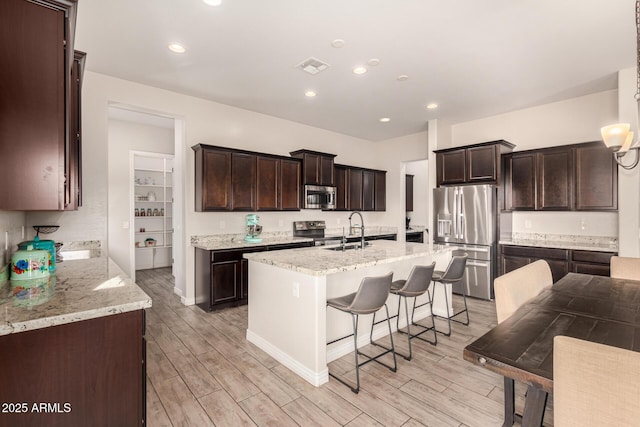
x,y
342,190
482,164
451,167
243,182
326,170
35,84
409,193
354,182
268,173
368,190
596,178
213,180
290,185
381,191
225,277
243,290
311,169
594,269
555,179
73,154
510,263
520,181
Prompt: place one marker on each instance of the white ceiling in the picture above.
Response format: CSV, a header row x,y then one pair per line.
x,y
475,58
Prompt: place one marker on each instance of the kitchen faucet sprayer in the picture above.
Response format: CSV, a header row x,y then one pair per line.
x,y
361,227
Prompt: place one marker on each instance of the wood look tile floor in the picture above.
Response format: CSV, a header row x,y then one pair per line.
x,y
201,371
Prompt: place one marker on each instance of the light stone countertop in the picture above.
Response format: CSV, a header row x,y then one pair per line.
x,y
80,289
559,241
216,242
319,261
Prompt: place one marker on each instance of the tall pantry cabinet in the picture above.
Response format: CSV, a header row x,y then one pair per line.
x,y
153,210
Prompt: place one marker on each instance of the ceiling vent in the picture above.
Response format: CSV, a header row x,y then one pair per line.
x,y
312,65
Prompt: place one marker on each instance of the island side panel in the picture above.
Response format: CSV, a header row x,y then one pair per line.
x,y
287,317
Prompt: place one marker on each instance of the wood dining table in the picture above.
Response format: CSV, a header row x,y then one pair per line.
x,y
592,308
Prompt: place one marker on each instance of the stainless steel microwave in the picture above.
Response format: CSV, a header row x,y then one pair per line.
x,y
319,197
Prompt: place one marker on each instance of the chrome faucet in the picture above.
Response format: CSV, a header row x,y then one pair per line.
x,y
361,227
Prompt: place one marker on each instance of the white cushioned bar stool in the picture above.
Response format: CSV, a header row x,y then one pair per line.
x,y
453,274
370,297
414,286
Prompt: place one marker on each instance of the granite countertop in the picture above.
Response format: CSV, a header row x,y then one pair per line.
x,y
216,242
584,243
79,290
236,241
319,261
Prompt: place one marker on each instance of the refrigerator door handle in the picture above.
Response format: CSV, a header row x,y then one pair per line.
x,y
461,218
455,212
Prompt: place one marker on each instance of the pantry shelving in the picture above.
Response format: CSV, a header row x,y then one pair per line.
x,y
152,210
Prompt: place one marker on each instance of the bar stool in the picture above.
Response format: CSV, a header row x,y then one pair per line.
x,y
453,274
414,286
369,298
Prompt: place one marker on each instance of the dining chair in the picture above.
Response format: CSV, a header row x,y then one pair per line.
x,y
370,297
625,268
594,384
515,288
512,290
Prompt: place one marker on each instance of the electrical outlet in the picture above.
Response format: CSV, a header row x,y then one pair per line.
x,y
295,289
583,224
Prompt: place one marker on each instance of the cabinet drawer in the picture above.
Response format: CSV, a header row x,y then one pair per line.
x,y
533,252
592,257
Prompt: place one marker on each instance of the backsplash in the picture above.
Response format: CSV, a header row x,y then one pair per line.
x,y
11,229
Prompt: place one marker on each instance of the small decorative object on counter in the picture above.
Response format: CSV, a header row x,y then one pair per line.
x,y
252,228
29,264
47,245
150,242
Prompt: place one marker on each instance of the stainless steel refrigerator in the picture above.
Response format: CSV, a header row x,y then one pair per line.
x,y
467,217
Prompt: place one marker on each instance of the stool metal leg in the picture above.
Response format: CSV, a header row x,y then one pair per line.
x,y
451,317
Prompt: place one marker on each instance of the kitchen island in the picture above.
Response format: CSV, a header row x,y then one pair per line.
x,y
288,291
72,347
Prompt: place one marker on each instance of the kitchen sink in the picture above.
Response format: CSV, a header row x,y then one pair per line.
x,y
347,247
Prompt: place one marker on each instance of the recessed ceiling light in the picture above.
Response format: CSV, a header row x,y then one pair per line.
x,y
385,120
310,94
373,62
402,77
177,48
212,2
432,106
337,43
359,70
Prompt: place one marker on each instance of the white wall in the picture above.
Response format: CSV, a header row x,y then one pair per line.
x,y
420,171
560,123
11,226
122,139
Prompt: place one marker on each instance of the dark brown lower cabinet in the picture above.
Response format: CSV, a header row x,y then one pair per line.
x,y
222,276
87,373
561,261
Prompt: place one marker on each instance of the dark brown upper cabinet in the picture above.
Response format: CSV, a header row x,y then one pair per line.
x,y
36,100
290,184
360,189
596,178
472,164
572,177
237,180
520,181
555,179
380,197
317,168
409,193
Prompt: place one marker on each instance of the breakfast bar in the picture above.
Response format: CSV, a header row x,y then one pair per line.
x,y
288,291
